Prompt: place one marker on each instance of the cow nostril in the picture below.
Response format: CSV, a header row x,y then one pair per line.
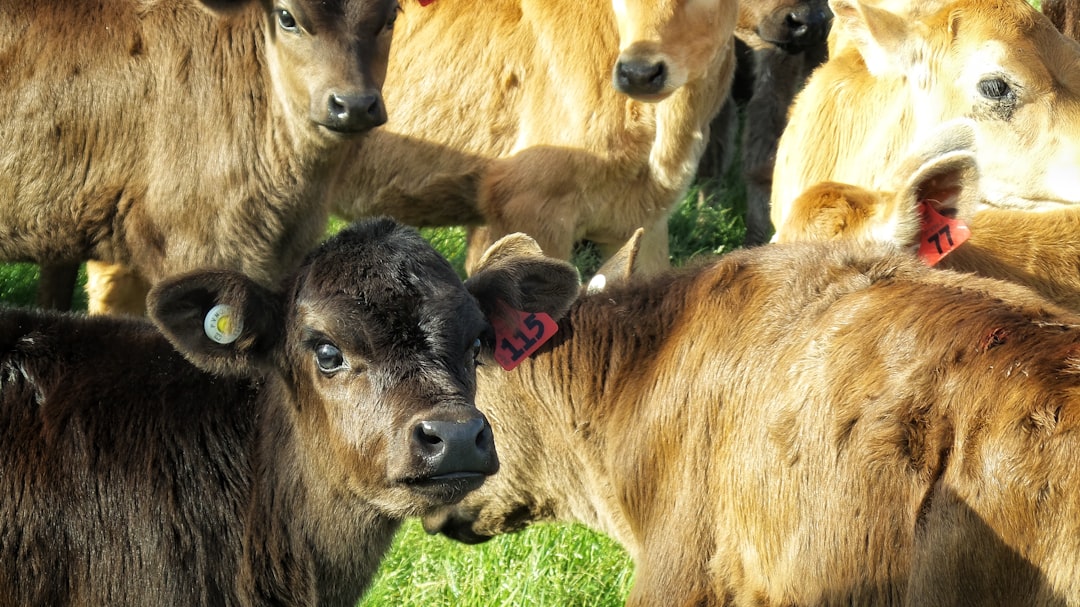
x,y
640,77
427,433
354,112
796,25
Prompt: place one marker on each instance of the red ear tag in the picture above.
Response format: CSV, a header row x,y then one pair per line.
x,y
425,2
939,235
518,334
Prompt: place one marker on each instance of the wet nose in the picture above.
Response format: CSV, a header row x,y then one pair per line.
x,y
640,77
354,112
450,447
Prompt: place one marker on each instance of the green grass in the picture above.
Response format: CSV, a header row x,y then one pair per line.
x,y
551,564
546,565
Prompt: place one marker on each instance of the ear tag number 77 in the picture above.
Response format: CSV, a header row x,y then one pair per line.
x,y
939,235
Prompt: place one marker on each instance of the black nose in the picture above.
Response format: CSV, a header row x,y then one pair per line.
x,y
795,30
640,77
808,25
354,112
450,447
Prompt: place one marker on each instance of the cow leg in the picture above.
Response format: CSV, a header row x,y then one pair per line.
x,y
779,76
115,289
56,285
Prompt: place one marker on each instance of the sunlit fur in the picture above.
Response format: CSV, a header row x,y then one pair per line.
x,y
803,424
898,70
166,135
504,114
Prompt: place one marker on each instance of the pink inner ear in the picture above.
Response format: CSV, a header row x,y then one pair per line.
x,y
942,192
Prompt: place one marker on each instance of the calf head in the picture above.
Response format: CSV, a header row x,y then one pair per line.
x,y
371,352
327,58
942,173
1003,65
791,25
663,44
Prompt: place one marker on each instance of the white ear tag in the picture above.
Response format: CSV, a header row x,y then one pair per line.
x,y
221,325
597,284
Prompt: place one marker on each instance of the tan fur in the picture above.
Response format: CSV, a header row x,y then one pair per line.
x,y
507,118
164,137
895,74
803,424
1037,249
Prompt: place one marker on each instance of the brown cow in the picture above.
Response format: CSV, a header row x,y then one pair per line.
x,y
567,120
177,134
778,44
274,464
1065,15
1040,250
802,424
893,76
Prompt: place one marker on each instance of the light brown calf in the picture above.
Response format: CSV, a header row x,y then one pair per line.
x,y
899,70
567,120
179,134
802,424
1037,249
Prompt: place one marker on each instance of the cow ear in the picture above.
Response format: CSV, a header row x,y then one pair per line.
x,y
621,266
516,271
223,322
880,36
943,172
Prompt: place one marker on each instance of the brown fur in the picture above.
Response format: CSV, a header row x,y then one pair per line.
x,y
249,473
167,135
802,424
1065,15
897,72
507,118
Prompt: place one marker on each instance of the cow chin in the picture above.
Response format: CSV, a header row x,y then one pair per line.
x,y
448,522
444,490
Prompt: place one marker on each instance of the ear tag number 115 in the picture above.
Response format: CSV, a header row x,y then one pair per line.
x,y
518,334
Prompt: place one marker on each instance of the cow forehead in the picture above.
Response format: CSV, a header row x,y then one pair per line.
x,y
648,18
349,11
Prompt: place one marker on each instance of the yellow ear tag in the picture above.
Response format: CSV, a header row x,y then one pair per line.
x,y
221,325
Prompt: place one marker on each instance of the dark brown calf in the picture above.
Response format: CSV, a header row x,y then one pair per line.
x,y
778,44
172,135
802,424
270,457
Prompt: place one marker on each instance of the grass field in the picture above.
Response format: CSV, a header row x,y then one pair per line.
x,y
546,565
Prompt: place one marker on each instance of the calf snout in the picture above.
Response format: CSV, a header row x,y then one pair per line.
x,y
353,112
640,77
454,448
797,28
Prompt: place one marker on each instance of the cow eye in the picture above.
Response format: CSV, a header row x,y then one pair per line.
x,y
393,17
329,358
286,21
476,346
996,89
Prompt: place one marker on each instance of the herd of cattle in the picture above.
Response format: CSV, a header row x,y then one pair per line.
x,y
821,420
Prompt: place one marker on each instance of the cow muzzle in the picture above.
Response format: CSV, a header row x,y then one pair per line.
x,y
350,112
451,457
796,29
643,78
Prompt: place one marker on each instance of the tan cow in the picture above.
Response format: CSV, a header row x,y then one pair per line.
x,y
1037,249
895,75
802,424
564,119
1065,15
168,135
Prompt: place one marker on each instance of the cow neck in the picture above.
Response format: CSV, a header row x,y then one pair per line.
x,y
682,119
296,510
